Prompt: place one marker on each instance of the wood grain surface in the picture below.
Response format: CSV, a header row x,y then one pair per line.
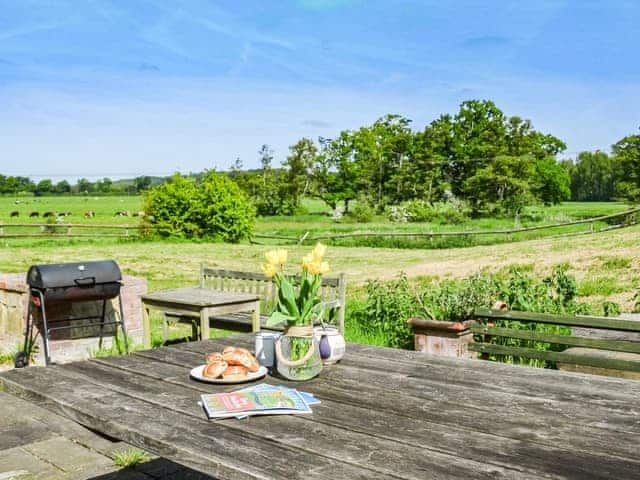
x,y
385,413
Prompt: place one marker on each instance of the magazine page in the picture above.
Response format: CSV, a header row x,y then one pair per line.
x,y
242,403
309,398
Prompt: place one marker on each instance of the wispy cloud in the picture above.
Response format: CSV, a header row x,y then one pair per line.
x,y
323,4
24,30
487,41
316,123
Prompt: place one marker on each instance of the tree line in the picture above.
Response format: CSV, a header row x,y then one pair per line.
x,y
17,185
481,158
478,160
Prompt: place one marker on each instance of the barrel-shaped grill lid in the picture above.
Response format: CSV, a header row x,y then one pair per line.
x,y
60,275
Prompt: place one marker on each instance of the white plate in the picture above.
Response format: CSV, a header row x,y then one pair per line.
x,y
197,374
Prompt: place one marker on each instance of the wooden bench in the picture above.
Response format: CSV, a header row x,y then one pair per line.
x,y
617,355
332,293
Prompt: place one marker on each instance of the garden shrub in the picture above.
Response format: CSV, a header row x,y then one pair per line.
x,y
389,305
450,212
362,212
216,209
398,214
386,310
419,211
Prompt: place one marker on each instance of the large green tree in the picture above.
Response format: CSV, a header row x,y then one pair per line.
x,y
627,153
478,133
593,177
550,182
299,165
502,186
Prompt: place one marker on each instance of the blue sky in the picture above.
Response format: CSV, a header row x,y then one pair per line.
x,y
129,87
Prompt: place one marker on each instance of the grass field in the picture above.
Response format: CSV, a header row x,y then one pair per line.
x,y
105,208
316,222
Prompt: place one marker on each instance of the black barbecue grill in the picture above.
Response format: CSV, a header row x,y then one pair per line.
x,y
65,283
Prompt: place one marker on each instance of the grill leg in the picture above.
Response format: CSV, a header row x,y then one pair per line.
x,y
124,329
104,308
45,329
22,358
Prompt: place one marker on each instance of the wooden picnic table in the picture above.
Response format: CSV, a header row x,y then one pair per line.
x,y
200,303
385,413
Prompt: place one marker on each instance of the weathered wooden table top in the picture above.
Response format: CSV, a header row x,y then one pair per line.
x,y
384,414
197,296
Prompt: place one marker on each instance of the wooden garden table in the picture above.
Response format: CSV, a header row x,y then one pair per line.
x,y
200,303
384,414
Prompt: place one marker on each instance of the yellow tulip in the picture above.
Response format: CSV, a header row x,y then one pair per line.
x,y
307,263
323,268
282,256
272,257
269,269
276,257
318,252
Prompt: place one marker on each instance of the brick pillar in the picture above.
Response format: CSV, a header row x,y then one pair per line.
x,y
68,344
447,339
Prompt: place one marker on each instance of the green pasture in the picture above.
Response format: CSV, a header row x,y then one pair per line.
x,y
105,208
314,220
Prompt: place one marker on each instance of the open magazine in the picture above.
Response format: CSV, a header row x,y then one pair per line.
x,y
260,399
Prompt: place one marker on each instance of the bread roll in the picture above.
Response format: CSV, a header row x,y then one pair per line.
x,y
214,369
241,357
214,357
235,372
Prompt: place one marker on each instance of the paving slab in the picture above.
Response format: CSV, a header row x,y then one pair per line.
x,y
68,456
18,463
36,444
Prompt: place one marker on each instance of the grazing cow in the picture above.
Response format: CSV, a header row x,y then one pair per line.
x,y
15,213
48,214
138,214
89,214
122,213
34,214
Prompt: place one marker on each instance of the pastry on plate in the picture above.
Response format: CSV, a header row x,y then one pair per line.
x,y
214,369
235,372
240,357
213,357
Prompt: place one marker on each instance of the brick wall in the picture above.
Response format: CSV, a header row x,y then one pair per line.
x,y
68,344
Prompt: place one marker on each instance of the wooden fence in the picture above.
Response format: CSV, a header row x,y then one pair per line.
x,y
68,230
628,217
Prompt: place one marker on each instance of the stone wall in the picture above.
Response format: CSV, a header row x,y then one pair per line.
x,y
75,343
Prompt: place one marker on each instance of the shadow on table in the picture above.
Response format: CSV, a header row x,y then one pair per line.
x,y
158,469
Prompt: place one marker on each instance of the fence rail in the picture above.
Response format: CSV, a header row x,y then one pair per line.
x,y
64,230
628,215
68,230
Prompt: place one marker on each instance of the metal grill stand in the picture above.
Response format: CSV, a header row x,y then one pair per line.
x,y
68,283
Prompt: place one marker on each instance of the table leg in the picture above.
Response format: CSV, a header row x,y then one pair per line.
x,y
146,327
204,324
165,329
256,317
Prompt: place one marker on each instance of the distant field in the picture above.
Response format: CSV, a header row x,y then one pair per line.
x,y
316,221
105,208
